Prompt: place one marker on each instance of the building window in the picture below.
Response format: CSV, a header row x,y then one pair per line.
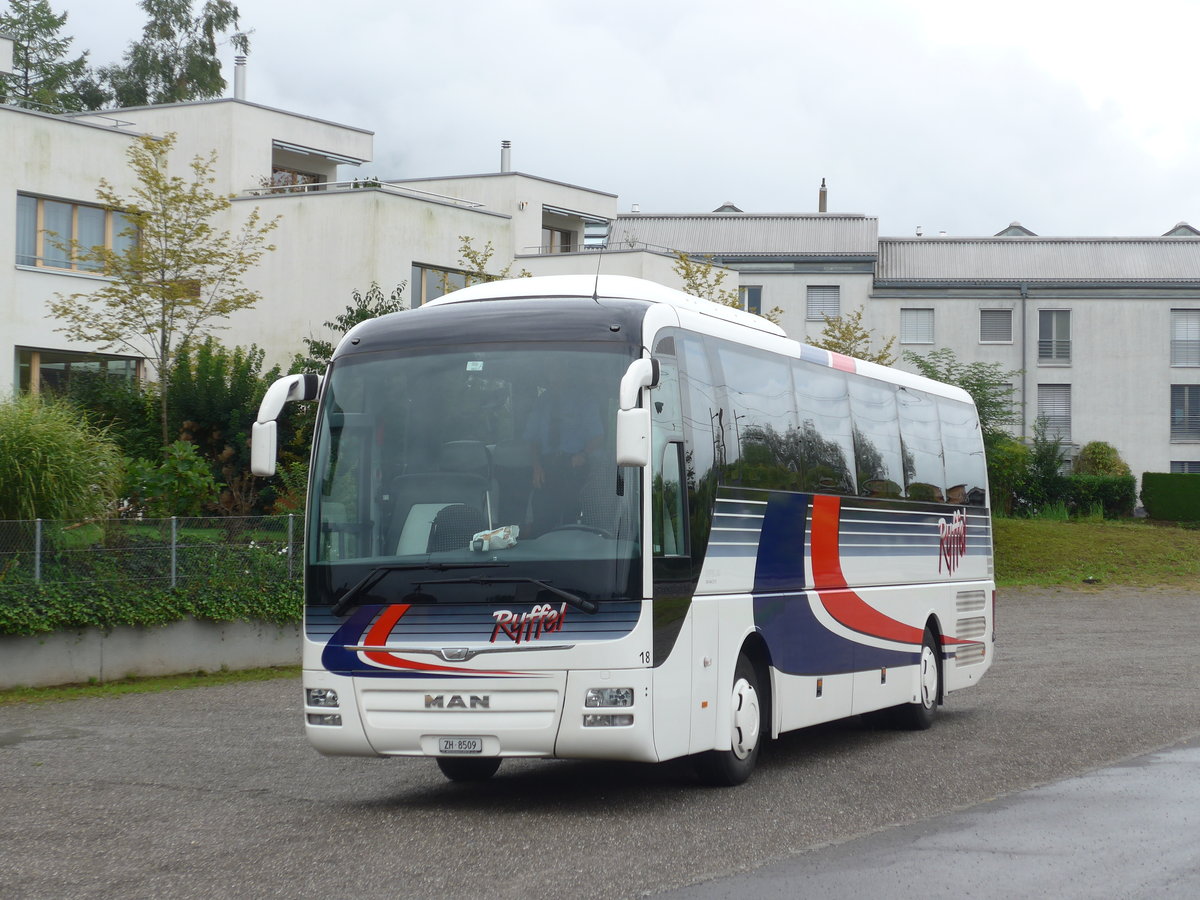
x,y
557,240
995,326
431,282
1185,467
1054,336
1054,408
1185,412
52,370
824,301
1185,337
46,229
916,326
751,298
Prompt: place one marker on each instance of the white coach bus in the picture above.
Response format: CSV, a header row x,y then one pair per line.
x,y
581,517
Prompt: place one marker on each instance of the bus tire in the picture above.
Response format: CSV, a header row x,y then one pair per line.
x,y
726,768
463,768
919,716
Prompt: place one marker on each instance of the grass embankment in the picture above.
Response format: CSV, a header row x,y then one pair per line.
x,y
1129,552
142,685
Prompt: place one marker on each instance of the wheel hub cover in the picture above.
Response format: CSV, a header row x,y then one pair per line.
x,y
746,719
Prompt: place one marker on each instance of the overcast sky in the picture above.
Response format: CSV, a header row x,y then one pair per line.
x,y
1074,118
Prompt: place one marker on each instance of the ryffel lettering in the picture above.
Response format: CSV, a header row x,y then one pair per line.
x,y
457,701
952,541
528,626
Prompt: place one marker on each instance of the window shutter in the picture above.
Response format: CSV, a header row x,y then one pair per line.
x,y
1054,405
823,300
995,326
916,326
1185,337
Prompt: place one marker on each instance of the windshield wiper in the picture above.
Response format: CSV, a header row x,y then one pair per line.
x,y
581,603
352,597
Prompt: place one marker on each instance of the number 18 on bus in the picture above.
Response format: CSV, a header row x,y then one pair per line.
x,y
594,517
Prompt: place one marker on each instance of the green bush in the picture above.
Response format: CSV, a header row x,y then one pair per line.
x,y
1099,458
61,607
1114,493
1007,463
1171,496
181,485
53,463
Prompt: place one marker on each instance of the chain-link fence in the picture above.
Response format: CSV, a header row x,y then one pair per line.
x,y
151,552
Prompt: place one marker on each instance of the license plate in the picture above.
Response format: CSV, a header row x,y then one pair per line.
x,y
455,745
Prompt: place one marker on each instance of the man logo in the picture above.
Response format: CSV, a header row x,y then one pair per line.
x,y
456,701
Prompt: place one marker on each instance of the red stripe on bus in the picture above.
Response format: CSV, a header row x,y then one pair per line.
x,y
845,363
378,634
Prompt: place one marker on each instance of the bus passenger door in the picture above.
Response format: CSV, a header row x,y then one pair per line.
x,y
674,583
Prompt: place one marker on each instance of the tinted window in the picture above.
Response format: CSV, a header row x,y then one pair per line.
x,y
824,443
757,428
966,470
877,453
922,443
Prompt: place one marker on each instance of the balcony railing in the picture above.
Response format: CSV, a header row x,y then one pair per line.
x,y
1054,351
331,187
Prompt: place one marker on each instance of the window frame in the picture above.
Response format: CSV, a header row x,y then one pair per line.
x,y
1058,351
995,314
817,296
35,249
1183,398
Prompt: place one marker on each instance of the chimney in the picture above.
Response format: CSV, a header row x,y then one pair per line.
x,y
821,197
506,156
239,77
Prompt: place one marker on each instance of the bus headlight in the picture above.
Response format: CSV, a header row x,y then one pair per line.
x,y
618,697
321,697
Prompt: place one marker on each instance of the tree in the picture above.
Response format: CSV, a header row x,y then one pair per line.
x,y
473,265
175,273
366,306
176,59
43,74
845,334
703,279
990,386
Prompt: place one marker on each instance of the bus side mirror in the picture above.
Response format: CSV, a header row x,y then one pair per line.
x,y
633,421
263,437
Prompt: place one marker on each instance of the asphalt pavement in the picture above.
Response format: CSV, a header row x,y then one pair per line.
x,y
213,792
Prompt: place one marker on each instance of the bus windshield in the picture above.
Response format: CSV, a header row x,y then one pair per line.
x,y
497,458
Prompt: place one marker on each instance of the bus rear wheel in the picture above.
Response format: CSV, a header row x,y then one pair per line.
x,y
726,768
461,768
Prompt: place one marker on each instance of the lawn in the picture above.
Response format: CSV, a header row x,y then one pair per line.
x,y
1125,552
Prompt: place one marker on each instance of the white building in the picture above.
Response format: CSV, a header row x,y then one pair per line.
x,y
1105,332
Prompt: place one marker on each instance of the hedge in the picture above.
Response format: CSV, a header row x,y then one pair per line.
x,y
1115,493
38,609
1171,496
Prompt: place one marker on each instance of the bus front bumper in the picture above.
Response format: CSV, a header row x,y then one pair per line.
x,y
578,714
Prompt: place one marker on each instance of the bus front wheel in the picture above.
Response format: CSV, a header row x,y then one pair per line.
x,y
727,768
919,715
460,768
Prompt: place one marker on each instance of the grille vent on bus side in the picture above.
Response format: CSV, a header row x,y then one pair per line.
x,y
970,601
969,655
972,629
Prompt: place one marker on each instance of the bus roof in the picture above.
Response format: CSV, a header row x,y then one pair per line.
x,y
619,287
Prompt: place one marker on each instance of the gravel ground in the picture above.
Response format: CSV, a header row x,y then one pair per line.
x,y
213,792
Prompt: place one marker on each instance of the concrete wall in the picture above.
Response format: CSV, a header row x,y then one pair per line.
x,y
71,657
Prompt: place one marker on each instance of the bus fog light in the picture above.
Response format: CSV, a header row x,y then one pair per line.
x,y
608,697
324,719
598,720
326,697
